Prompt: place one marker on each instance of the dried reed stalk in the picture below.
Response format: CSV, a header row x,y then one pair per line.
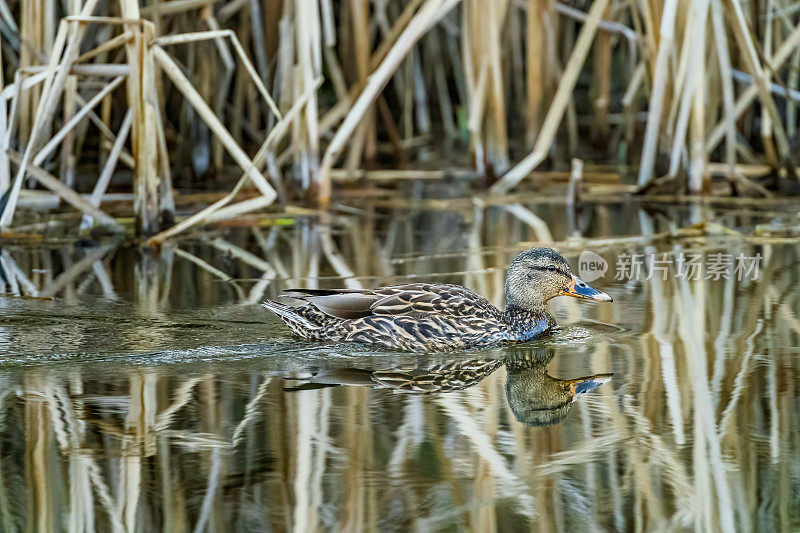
x,y
172,70
428,15
109,167
202,216
559,104
38,123
465,79
657,94
63,191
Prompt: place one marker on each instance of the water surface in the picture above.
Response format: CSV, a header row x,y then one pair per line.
x,y
148,391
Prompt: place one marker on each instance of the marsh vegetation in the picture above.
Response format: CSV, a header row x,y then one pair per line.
x,y
117,109
166,165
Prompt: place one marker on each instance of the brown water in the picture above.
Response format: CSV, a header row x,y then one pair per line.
x,y
151,392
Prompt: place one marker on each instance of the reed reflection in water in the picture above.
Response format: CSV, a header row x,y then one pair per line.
x,y
153,394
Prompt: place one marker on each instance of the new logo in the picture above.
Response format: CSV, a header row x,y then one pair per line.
x,y
591,266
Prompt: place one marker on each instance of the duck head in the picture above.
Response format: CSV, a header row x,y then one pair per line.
x,y
538,399
539,274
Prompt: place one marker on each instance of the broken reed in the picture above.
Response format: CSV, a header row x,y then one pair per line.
x,y
361,84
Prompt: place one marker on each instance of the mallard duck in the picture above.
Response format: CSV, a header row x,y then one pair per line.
x,y
432,317
535,397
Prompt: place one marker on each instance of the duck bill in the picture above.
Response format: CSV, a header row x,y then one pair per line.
x,y
579,289
581,385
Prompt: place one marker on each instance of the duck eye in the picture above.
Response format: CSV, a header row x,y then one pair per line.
x,y
551,268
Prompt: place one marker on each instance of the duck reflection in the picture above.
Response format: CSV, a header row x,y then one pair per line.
x,y
536,398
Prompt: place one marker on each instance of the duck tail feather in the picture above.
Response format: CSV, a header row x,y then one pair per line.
x,y
289,315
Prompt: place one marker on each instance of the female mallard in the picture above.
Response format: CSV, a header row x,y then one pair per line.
x,y
428,316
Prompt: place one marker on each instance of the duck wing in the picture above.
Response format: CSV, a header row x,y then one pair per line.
x,y
338,303
414,299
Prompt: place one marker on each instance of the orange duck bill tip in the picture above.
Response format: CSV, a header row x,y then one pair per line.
x,y
579,289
